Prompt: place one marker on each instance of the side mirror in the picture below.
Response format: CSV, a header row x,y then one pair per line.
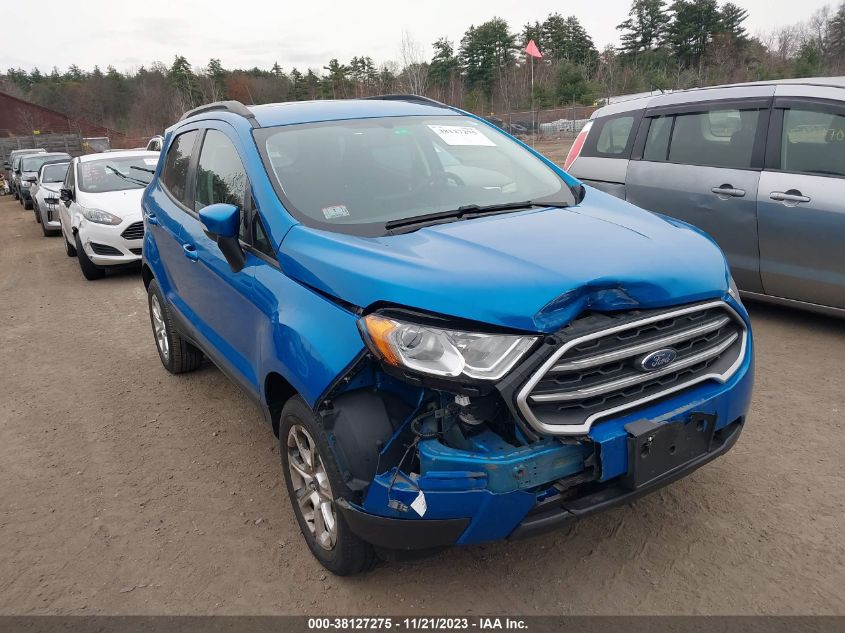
x,y
66,195
221,222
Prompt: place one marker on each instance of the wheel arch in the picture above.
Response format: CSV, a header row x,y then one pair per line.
x,y
277,391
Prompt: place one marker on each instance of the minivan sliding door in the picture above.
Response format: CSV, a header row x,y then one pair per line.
x,y
701,163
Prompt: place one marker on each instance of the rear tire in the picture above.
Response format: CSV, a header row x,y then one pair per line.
x,y
177,355
28,204
313,485
89,269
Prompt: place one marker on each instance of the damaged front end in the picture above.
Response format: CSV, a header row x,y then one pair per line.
x,y
492,439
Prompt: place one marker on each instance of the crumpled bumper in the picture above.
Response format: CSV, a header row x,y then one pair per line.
x,y
461,508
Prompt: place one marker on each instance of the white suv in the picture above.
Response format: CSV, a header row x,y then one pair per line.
x,y
100,212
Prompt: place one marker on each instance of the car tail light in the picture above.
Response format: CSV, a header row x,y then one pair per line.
x,y
578,145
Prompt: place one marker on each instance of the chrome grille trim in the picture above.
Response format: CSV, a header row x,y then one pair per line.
x,y
579,394
634,350
522,399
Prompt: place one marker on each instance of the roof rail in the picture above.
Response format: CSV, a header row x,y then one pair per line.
x,y
410,98
235,107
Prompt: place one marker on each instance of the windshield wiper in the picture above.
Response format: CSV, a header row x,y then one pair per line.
x,y
120,174
468,210
146,169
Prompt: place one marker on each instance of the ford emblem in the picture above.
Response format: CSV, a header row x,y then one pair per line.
x,y
657,359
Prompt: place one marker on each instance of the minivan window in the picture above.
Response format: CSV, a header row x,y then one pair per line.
x,y
614,135
366,172
719,138
174,174
813,142
220,174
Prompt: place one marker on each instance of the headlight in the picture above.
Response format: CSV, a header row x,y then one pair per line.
x,y
26,184
440,352
100,217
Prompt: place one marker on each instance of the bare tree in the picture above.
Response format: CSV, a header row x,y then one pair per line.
x,y
415,66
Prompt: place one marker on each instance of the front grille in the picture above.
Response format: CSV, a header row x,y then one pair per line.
x,y
134,231
136,251
104,249
596,371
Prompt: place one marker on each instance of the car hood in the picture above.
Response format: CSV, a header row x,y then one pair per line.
x,y
533,270
124,204
53,187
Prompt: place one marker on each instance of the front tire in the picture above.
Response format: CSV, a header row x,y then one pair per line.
x,y
313,481
177,355
70,249
89,269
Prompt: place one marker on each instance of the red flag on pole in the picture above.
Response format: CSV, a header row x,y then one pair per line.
x,y
532,49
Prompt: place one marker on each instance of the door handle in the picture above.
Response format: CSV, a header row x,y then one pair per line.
x,y
190,252
793,195
152,219
728,191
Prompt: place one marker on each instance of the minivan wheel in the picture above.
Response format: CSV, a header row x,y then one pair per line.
x,y
314,483
89,269
177,355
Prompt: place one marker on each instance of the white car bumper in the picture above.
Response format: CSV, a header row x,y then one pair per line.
x,y
108,245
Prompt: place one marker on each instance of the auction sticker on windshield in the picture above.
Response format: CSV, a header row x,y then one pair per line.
x,y
336,211
460,135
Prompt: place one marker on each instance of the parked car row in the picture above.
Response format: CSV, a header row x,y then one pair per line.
x,y
760,167
92,201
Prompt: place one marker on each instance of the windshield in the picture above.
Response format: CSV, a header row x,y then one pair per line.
x,y
116,174
54,173
33,163
356,175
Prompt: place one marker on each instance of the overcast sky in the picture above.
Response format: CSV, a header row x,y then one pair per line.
x,y
247,33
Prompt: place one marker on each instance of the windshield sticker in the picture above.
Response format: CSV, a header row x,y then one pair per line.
x,y
151,161
461,135
337,211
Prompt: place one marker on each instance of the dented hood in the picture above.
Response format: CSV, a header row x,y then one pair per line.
x,y
533,270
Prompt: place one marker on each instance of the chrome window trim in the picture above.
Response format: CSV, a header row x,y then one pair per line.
x,y
582,429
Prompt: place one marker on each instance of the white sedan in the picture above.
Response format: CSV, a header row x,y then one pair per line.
x,y
100,212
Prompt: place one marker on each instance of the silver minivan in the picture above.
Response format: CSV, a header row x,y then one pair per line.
x,y
758,166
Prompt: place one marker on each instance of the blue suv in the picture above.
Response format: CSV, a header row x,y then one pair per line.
x,y
454,340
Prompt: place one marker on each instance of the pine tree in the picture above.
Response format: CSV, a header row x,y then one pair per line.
x,y
732,17
182,78
485,51
691,29
645,28
444,64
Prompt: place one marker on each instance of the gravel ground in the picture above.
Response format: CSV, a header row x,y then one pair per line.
x,y
126,490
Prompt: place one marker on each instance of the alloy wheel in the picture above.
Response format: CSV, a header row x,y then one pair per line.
x,y
312,490
159,328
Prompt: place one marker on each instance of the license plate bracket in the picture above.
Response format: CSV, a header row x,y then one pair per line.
x,y
656,449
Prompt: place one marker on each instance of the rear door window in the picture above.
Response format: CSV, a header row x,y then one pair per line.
x,y
718,138
174,174
813,142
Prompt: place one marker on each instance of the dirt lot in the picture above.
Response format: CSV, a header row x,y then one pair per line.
x,y
126,490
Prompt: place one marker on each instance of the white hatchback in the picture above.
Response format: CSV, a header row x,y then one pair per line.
x,y
100,212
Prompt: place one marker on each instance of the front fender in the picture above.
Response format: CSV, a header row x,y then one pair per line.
x,y
307,339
